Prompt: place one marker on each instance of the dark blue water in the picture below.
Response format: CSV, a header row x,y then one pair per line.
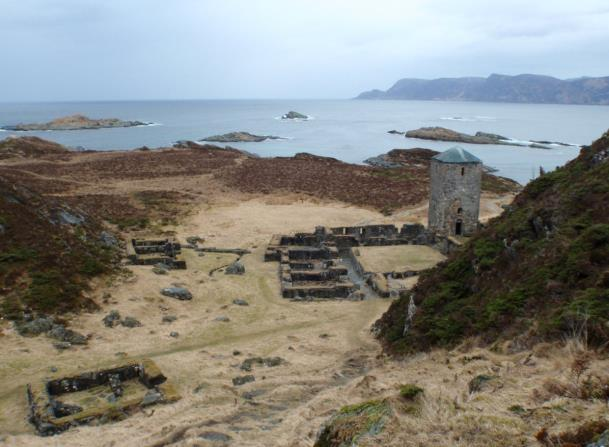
x,y
346,129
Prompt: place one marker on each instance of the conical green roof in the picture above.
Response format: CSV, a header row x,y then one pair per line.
x,y
457,154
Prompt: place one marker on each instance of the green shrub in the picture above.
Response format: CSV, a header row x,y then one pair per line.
x,y
409,391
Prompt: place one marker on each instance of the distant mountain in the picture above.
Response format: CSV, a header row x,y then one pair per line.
x,y
500,88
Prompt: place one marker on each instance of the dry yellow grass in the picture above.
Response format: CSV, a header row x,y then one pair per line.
x,y
398,258
332,358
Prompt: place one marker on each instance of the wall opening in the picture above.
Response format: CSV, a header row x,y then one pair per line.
x,y
462,171
460,211
459,228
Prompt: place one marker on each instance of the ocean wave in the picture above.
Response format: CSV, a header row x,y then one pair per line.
x,y
308,118
470,119
149,125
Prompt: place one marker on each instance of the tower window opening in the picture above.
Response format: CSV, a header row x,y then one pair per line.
x,y
460,211
462,171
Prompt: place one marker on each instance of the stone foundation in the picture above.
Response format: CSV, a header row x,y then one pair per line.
x,y
103,395
308,261
152,252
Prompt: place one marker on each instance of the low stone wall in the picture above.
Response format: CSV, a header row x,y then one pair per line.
x,y
51,415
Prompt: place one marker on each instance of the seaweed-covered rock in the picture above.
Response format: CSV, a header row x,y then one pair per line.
x,y
353,423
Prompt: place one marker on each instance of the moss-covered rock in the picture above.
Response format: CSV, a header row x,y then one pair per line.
x,y
410,391
354,422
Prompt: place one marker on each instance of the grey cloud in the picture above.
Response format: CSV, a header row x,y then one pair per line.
x,y
141,49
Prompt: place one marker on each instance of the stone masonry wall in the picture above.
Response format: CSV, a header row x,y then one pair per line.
x,y
454,197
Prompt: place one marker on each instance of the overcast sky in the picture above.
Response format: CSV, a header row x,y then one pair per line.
x,y
155,49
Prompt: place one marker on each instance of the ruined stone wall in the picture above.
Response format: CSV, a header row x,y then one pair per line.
x,y
455,197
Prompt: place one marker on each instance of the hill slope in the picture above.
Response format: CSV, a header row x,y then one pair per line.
x,y
539,271
525,88
48,253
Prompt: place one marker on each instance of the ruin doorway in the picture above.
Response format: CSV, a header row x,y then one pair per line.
x,y
459,228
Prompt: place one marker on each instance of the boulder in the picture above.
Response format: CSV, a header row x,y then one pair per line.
x,y
34,327
59,332
62,345
112,319
353,423
160,269
179,293
130,322
194,240
169,318
222,319
108,239
480,382
240,302
242,380
268,362
152,397
236,268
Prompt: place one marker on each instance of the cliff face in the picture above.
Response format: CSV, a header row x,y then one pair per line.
x,y
540,271
523,88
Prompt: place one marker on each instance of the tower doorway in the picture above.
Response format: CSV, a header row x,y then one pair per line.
x,y
459,228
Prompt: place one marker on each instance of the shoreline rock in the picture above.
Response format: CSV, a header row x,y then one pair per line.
x,y
291,115
239,137
74,122
444,134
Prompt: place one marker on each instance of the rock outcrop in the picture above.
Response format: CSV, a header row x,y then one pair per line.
x,y
75,122
444,134
239,137
291,115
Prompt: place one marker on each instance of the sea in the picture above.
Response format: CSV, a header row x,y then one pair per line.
x,y
350,130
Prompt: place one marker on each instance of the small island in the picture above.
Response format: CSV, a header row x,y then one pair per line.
x,y
239,137
443,134
291,115
74,122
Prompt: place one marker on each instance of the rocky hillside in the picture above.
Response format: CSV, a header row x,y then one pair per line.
x,y
525,88
48,253
30,147
540,271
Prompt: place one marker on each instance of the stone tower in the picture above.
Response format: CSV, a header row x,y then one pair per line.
x,y
454,202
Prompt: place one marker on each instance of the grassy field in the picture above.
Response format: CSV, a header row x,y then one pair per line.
x,y
398,258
